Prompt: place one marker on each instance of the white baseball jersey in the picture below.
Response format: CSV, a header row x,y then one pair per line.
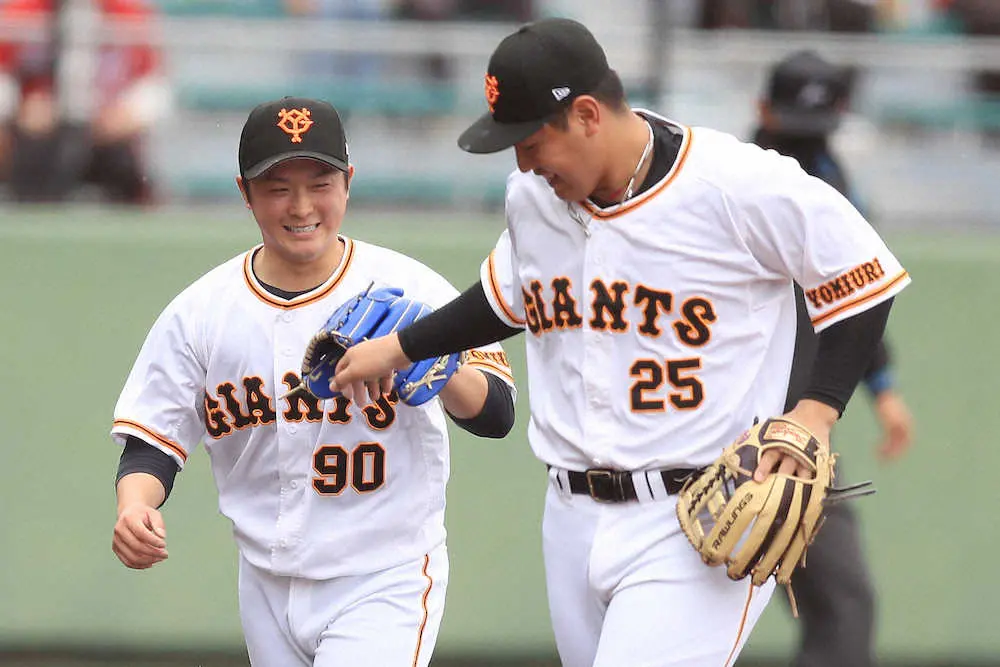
x,y
314,489
661,327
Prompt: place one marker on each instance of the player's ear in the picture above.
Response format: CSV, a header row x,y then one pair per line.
x,y
243,185
764,113
587,111
348,177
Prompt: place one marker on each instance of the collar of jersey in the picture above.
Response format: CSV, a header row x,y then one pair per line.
x,y
303,299
634,203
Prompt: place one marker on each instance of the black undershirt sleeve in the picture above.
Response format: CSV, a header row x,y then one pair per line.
x,y
845,354
497,416
140,456
464,323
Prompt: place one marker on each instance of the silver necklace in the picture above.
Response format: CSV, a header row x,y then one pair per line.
x,y
638,167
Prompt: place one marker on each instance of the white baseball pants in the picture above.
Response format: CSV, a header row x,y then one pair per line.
x,y
625,587
385,619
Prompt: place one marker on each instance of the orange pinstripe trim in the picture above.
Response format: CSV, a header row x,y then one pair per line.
x,y
495,287
743,624
647,196
423,602
502,371
271,300
861,299
169,444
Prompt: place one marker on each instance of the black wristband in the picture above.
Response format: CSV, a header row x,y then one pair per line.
x,y
140,456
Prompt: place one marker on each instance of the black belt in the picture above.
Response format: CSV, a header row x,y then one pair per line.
x,y
616,486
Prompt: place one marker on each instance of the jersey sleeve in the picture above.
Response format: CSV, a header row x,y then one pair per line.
x,y
799,226
492,359
162,401
500,283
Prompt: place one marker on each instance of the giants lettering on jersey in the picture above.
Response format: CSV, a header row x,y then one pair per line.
x,y
225,412
607,310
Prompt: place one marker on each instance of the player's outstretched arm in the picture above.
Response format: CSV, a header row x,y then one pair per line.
x,y
140,535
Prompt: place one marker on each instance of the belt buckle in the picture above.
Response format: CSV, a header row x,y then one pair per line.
x,y
601,478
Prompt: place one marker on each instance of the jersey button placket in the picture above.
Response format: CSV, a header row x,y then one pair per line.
x,y
287,350
289,449
599,381
590,344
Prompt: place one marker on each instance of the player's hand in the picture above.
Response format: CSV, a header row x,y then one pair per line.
x,y
897,425
819,418
140,537
368,367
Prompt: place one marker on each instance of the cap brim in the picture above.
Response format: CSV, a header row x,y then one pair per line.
x,y
488,136
796,121
264,165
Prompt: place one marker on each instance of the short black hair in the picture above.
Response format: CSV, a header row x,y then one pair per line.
x,y
609,91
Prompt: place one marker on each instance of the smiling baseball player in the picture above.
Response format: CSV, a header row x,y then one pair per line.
x,y
337,507
652,265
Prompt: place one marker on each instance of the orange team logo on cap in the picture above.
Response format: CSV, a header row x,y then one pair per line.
x,y
492,91
295,123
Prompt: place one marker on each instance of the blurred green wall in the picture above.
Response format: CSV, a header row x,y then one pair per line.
x,y
78,292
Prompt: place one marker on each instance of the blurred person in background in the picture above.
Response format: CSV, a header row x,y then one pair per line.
x,y
979,18
46,154
435,65
802,107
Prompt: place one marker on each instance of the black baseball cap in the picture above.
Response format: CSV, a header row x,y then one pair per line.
x,y
806,94
292,127
534,73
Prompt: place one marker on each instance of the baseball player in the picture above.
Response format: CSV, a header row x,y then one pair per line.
x,y
337,506
803,105
652,265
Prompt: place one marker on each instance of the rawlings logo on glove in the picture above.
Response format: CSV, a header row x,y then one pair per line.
x,y
423,380
371,314
760,529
